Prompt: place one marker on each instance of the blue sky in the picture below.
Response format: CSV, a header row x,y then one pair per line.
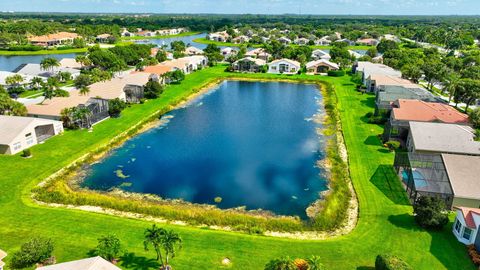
x,y
370,7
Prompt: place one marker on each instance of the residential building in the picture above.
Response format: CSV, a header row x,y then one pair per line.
x,y
321,66
158,70
146,33
3,254
391,38
94,263
285,40
248,64
324,41
125,33
187,64
193,51
241,39
19,133
104,38
36,70
227,52
301,41
366,69
368,41
219,36
377,80
466,226
60,38
346,40
319,54
284,66
5,74
405,110
390,93
70,63
425,137
259,53
355,54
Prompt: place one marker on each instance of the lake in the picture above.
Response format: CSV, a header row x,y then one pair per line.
x,y
166,41
11,62
251,144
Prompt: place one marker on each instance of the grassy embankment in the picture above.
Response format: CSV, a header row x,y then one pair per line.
x,y
230,44
385,223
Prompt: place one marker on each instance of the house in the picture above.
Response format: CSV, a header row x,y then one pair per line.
x,y
345,40
466,226
425,137
19,133
368,41
259,53
193,51
355,54
453,178
301,41
125,33
3,254
366,69
145,33
5,74
319,54
405,110
60,38
241,39
227,52
187,64
94,263
169,32
70,63
284,66
323,41
377,80
321,66
388,94
285,40
391,38
248,64
36,70
158,70
219,36
104,38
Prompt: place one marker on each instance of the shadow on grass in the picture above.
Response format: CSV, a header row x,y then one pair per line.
x,y
131,261
365,268
373,140
369,102
405,221
383,150
386,180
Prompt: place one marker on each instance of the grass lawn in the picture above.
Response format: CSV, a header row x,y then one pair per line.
x,y
161,37
54,51
229,44
385,224
30,93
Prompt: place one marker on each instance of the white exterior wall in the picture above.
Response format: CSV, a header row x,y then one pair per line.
x,y
459,234
274,68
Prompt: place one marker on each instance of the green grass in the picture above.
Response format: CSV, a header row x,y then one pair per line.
x,y
53,51
30,93
161,37
230,44
385,224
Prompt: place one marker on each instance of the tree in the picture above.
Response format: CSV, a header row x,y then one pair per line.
x,y
109,247
9,106
36,83
314,263
411,72
14,82
212,52
49,63
390,262
50,87
161,239
284,263
450,84
178,46
434,71
475,117
116,106
468,91
386,45
79,43
84,90
430,212
372,52
174,76
82,80
83,60
37,250
64,76
161,56
152,90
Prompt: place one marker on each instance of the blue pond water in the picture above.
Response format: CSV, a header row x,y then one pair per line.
x,y
253,144
9,63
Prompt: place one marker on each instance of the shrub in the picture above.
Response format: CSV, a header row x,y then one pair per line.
x,y
473,253
153,90
336,73
475,117
116,106
37,250
284,263
27,153
390,262
429,212
31,48
109,247
393,145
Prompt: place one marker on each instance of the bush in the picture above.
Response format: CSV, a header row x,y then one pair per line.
x,y
336,73
473,253
109,247
393,145
37,250
429,212
27,153
390,262
475,117
31,48
116,106
152,90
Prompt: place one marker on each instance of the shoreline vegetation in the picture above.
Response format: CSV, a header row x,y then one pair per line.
x,y
332,210
230,44
184,34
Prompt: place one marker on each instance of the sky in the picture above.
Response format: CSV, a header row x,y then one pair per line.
x,y
356,7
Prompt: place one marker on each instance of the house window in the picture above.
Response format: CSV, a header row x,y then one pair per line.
x,y
17,146
457,226
467,233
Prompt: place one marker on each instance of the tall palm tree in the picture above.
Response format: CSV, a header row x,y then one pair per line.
x,y
49,63
84,90
170,241
451,84
36,82
14,80
153,236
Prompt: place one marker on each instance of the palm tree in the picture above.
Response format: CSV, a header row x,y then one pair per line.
x,y
450,84
36,82
170,241
14,80
49,63
314,263
83,60
284,263
153,236
84,90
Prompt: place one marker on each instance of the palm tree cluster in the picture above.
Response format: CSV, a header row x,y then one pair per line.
x,y
164,242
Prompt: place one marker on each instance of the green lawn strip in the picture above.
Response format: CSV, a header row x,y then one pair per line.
x,y
30,93
161,37
54,51
230,44
385,225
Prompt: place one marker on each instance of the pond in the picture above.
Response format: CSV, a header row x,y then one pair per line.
x,y
252,144
166,41
11,62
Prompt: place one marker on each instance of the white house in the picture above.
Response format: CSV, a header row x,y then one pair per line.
x,y
301,41
319,54
259,53
5,74
193,51
19,133
3,254
227,52
94,263
355,54
218,36
284,66
320,66
466,224
323,41
37,71
241,39
285,40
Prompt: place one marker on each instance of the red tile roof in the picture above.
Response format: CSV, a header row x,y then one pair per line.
x,y
468,213
417,110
